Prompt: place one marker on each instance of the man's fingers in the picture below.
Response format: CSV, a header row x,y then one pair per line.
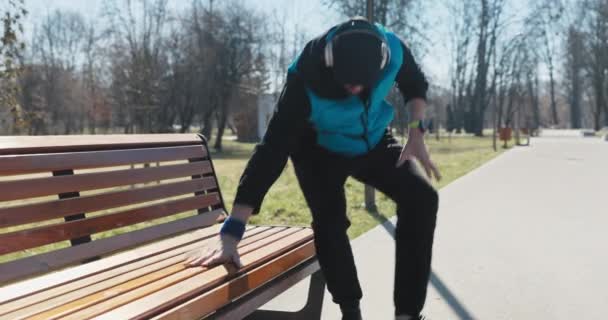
x,y
431,170
427,168
195,261
436,171
426,165
199,257
236,259
192,256
214,259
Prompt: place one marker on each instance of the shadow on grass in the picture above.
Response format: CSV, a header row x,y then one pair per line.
x,y
440,286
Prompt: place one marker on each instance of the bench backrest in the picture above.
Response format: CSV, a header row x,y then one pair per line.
x,y
75,198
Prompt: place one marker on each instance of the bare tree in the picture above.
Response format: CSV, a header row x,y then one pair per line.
x,y
96,104
574,81
56,47
544,23
11,48
595,30
139,63
461,38
488,29
241,38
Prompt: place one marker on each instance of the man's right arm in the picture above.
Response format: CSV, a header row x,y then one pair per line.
x,y
265,166
270,155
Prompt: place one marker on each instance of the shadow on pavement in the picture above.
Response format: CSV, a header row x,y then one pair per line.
x,y
436,282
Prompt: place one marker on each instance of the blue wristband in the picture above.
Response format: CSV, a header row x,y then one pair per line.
x,y
233,227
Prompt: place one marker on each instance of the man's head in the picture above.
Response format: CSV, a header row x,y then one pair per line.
x,y
357,53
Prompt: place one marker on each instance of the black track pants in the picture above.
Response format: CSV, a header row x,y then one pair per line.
x,y
322,176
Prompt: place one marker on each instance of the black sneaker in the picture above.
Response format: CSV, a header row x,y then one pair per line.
x,y
351,313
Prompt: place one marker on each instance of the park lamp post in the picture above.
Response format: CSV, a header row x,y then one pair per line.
x,y
370,194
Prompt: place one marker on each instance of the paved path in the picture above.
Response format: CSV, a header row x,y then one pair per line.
x,y
523,237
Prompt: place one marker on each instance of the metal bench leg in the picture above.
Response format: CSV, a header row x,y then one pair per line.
x,y
311,311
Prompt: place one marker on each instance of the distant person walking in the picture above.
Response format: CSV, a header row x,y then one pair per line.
x,y
332,120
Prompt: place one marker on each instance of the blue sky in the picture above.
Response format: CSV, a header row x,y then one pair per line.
x,y
310,15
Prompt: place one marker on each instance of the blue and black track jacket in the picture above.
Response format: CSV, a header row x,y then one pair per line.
x,y
305,114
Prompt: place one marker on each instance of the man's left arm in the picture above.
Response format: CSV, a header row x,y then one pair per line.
x,y
413,86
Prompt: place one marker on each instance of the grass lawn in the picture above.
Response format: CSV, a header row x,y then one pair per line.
x,y
284,204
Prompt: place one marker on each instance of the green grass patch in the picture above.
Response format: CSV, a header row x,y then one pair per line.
x,y
285,205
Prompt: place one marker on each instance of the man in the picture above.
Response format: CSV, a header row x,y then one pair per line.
x,y
332,120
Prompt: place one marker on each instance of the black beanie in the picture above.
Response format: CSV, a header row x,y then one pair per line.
x,y
357,58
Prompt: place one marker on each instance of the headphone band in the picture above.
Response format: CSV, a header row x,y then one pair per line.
x,y
328,51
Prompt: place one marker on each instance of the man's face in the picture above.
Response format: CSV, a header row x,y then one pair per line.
x,y
353,89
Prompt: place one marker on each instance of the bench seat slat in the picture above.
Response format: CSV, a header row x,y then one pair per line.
x,y
36,212
98,303
37,187
60,258
54,297
36,163
192,281
212,300
31,238
52,280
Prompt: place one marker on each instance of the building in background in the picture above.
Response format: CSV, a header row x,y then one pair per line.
x,y
266,105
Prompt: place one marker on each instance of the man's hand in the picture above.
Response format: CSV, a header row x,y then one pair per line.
x,y
223,250
415,148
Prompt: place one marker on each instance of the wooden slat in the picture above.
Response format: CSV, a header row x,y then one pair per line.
x,y
12,216
37,187
45,262
53,144
55,297
70,285
96,304
187,278
31,238
34,163
209,302
46,282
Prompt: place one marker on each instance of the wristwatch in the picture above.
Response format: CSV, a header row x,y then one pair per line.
x,y
418,124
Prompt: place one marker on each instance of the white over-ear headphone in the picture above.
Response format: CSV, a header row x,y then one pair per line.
x,y
329,52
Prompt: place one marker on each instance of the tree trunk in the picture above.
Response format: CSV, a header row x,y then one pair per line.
x,y
575,112
596,119
207,126
478,123
553,102
221,127
600,101
184,126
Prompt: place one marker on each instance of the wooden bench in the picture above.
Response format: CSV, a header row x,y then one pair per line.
x,y
89,229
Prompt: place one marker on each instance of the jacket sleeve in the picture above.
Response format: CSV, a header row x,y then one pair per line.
x,y
270,155
411,80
